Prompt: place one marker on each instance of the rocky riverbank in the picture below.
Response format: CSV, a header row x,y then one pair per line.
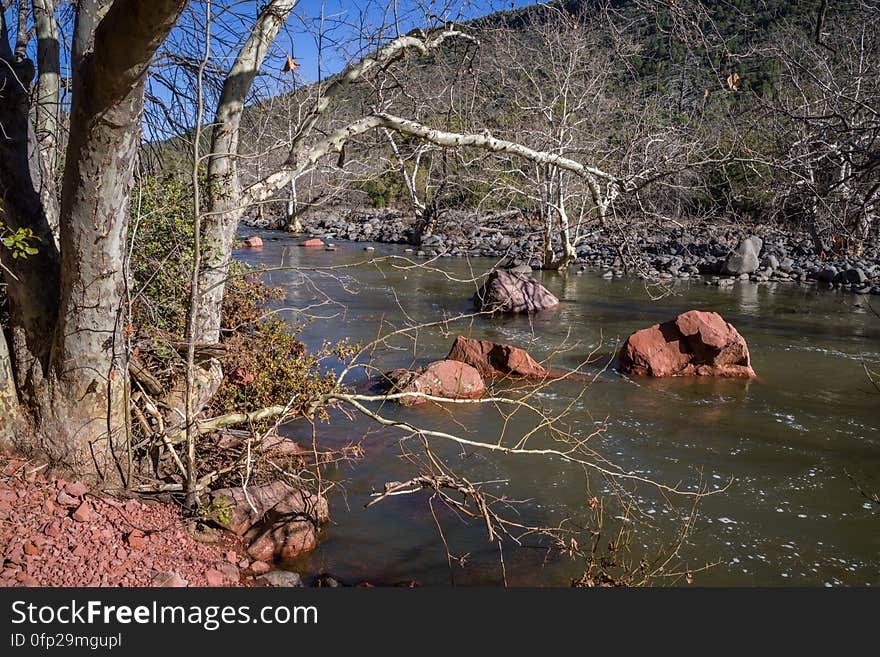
x,y
60,533
719,253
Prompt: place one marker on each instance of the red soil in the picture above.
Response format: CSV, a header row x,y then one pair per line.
x,y
57,533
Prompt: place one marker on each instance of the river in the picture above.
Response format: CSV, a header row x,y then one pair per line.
x,y
785,448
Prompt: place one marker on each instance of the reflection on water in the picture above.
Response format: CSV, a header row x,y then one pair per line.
x,y
787,441
748,299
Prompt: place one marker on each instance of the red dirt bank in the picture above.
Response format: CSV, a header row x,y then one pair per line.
x,y
56,533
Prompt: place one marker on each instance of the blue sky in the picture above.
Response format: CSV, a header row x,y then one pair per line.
x,y
339,29
342,20
329,27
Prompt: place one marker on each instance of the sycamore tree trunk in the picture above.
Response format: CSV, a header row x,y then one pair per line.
x,y
9,415
47,110
67,352
224,207
32,284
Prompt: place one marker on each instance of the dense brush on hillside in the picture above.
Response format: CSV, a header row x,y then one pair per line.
x,y
702,107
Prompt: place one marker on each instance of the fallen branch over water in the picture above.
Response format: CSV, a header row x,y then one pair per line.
x,y
230,419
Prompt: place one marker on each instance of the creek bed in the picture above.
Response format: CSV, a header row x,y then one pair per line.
x,y
788,443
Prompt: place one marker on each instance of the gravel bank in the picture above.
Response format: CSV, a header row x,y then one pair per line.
x,y
56,533
719,253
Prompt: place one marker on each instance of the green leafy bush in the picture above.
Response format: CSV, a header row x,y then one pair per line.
x,y
264,363
161,236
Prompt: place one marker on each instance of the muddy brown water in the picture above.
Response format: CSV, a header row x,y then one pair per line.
x,y
788,443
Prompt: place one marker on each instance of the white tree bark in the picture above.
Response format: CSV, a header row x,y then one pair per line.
x,y
227,202
9,412
266,188
48,103
70,370
224,208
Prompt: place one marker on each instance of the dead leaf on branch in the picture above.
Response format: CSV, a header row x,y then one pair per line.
x,y
289,65
733,81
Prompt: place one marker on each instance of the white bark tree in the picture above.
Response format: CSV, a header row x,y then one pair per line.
x,y
825,145
66,324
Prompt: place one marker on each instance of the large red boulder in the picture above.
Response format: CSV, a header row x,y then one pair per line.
x,y
695,343
451,379
284,541
494,359
312,243
276,520
510,292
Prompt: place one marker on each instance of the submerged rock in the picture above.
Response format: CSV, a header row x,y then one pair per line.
x,y
494,359
510,292
451,379
285,540
276,520
327,580
313,243
695,343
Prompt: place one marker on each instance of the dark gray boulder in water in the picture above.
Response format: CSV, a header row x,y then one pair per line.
x,y
510,292
744,259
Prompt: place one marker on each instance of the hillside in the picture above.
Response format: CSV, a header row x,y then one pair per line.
x,y
700,76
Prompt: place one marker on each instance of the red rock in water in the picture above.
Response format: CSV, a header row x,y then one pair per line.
x,y
494,359
312,243
285,541
241,511
510,292
303,503
451,379
252,242
262,516
295,538
695,343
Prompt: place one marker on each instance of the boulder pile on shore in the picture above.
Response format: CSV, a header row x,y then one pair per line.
x,y
719,252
